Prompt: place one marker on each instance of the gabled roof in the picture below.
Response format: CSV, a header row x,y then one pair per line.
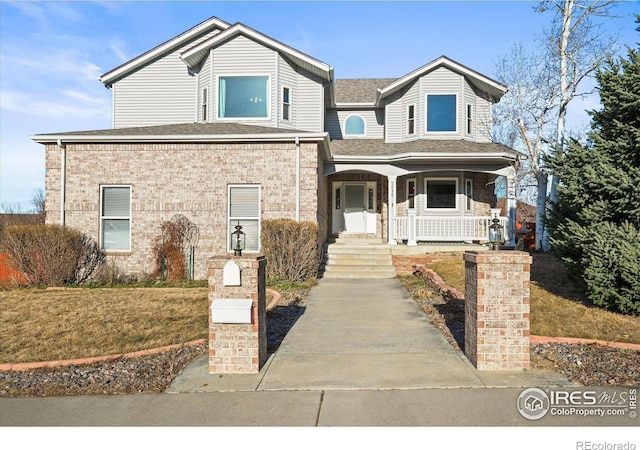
x,y
194,56
481,82
163,49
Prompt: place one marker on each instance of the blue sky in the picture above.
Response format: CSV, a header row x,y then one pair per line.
x,y
51,53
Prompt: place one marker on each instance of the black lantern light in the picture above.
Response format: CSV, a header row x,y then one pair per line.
x,y
237,240
496,234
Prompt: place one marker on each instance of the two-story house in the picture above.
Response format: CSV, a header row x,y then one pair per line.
x,y
224,124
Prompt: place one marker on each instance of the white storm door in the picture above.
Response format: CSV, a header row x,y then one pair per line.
x,y
355,208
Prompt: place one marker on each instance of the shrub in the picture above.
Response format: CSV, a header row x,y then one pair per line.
x,y
291,249
611,263
178,235
51,255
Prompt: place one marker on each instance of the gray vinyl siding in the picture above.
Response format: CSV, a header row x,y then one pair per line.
x,y
441,81
159,93
373,119
204,82
243,56
396,114
483,120
287,77
310,102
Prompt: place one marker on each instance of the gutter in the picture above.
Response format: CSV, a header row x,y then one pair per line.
x,y
97,138
63,179
423,156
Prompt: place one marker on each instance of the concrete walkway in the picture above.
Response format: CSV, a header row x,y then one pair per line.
x,y
362,354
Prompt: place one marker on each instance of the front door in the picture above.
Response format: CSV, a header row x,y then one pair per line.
x,y
354,207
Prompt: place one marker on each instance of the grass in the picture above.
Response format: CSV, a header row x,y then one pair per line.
x,y
558,307
44,325
41,325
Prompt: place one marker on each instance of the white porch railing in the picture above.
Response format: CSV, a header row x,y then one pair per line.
x,y
446,228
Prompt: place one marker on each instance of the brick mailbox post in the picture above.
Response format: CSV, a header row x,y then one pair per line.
x,y
497,309
237,314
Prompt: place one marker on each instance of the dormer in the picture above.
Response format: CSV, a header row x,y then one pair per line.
x,y
441,100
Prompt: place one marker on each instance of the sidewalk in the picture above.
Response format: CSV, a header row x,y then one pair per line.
x,y
362,354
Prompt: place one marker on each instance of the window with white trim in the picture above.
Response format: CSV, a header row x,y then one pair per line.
x,y
354,126
244,97
115,218
286,104
468,192
411,119
441,193
244,208
442,113
205,102
469,118
411,193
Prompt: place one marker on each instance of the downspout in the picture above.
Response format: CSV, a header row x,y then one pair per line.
x,y
63,179
297,179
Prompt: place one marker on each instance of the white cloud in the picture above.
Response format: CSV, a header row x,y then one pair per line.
x,y
69,104
117,46
55,61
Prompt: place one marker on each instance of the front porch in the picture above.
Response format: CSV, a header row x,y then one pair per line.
x,y
411,228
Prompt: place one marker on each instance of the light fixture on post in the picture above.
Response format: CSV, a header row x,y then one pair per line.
x,y
237,240
496,234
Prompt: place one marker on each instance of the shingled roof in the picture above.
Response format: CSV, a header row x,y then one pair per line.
x,y
359,90
378,148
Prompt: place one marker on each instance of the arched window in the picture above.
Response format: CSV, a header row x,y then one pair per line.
x,y
354,126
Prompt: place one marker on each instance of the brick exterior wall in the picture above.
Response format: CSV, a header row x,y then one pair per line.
x,y
497,309
238,348
182,178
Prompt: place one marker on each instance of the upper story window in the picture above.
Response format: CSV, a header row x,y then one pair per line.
x,y
205,102
411,119
243,97
469,118
286,103
115,218
354,126
442,113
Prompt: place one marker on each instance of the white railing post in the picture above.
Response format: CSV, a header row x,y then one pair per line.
x,y
411,229
391,191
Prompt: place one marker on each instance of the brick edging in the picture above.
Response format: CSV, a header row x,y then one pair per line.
x,y
276,297
568,340
94,359
453,293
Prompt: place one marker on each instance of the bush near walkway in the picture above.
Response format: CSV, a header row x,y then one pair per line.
x,y
291,249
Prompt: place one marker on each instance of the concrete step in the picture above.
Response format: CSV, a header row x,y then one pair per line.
x,y
376,249
359,272
364,260
355,256
356,241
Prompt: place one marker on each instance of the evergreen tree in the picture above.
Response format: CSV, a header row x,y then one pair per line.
x,y
595,224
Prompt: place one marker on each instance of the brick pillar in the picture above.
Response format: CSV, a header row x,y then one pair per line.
x,y
238,347
497,309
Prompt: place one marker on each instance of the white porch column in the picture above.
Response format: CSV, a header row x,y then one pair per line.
x,y
411,228
511,207
391,209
